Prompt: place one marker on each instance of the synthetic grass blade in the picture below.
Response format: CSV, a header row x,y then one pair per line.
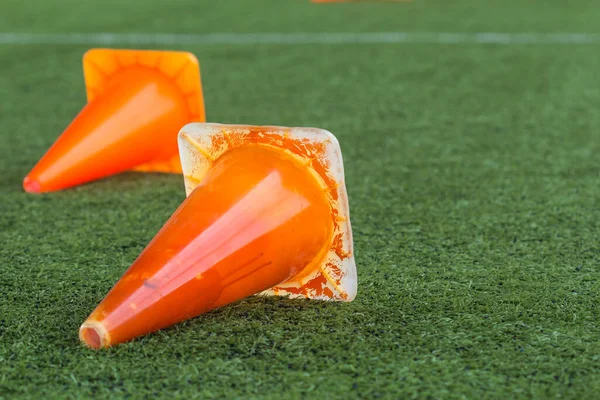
x,y
266,212
137,102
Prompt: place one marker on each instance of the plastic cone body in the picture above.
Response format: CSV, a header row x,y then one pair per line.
x,y
258,218
131,121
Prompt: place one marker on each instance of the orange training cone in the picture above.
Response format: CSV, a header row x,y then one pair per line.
x,y
266,212
137,102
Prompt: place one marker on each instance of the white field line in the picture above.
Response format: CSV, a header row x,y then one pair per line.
x,y
14,38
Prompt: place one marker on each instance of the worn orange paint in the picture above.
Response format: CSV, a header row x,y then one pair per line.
x,y
138,101
318,283
309,153
258,218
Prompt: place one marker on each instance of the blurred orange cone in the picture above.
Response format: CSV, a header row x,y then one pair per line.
x,y
266,212
360,1
137,102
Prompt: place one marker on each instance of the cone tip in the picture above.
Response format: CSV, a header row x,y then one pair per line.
x,y
31,185
94,335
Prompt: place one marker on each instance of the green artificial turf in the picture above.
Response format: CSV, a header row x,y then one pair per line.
x,y
474,184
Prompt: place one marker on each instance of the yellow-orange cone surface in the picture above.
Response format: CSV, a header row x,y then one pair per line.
x,y
266,212
138,100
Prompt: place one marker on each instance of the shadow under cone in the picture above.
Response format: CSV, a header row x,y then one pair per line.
x,y
258,218
138,101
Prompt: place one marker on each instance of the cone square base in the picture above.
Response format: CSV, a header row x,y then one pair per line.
x,y
101,66
200,144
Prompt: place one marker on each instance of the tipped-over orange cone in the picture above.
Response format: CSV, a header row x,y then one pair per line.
x,y
137,102
266,212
